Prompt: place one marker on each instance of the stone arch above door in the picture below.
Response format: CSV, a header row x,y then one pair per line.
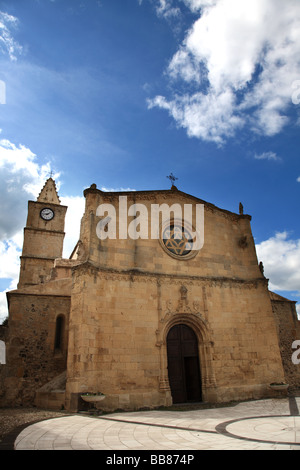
x,y
202,331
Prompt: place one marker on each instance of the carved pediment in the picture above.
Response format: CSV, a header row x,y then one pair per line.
x,y
183,307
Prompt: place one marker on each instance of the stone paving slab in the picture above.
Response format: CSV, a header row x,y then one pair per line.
x,y
256,425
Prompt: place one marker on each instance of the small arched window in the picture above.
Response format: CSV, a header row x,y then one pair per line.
x,y
59,333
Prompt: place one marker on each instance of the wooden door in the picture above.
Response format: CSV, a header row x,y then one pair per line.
x,y
183,365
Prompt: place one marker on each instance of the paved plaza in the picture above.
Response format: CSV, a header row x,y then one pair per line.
x,y
257,425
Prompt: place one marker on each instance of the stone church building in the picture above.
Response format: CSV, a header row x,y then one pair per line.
x,y
146,321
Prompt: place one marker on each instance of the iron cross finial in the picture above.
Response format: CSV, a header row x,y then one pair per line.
x,y
172,178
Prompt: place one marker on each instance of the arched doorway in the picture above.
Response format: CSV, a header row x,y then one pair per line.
x,y
183,364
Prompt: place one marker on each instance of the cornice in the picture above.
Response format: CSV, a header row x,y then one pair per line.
x,y
136,275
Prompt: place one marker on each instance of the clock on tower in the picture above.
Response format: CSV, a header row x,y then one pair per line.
x,y
43,236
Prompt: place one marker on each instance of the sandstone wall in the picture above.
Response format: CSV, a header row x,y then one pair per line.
x,y
228,249
119,324
32,359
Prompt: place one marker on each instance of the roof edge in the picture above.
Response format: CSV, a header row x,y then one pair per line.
x,y
174,190
280,298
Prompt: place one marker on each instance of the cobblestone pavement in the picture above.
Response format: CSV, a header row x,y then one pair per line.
x,y
257,425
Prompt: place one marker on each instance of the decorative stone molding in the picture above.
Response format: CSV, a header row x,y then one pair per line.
x,y
173,279
183,306
192,317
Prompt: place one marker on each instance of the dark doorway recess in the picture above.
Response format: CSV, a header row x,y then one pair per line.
x,y
183,365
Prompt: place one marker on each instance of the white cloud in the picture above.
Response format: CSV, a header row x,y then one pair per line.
x,y
209,117
242,49
267,156
76,205
298,180
166,10
21,178
8,45
196,5
184,65
116,190
10,252
281,258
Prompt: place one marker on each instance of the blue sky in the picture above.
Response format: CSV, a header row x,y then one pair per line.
x,y
122,92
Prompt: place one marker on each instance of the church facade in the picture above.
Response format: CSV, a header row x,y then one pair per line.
x,y
145,313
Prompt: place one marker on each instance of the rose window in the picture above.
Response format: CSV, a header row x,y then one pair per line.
x,y
178,240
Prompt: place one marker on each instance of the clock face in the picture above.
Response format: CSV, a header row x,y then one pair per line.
x,y
47,214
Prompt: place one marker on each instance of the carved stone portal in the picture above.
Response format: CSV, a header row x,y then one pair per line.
x,y
193,318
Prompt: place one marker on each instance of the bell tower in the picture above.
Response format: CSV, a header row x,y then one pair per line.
x,y
43,236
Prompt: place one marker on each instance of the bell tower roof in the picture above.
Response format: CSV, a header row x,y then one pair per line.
x,y
49,193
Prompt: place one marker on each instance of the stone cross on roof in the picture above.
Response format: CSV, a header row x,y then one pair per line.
x,y
172,178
